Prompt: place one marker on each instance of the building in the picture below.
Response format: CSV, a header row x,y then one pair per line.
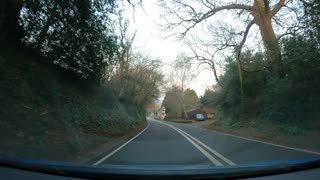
x,y
211,112
161,113
192,113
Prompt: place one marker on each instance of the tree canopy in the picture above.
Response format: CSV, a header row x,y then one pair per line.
x,y
172,103
76,34
180,17
177,102
191,99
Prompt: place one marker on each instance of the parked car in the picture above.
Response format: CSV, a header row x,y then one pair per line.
x,y
200,117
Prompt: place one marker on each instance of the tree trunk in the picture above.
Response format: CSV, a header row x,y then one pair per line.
x,y
10,30
272,47
181,99
214,70
184,110
262,17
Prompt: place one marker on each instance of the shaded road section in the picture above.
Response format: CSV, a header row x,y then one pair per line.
x,y
167,143
158,145
241,150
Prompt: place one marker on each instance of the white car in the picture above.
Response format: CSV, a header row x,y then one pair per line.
x,y
200,117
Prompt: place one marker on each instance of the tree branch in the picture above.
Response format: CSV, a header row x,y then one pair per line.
x,y
292,31
305,2
246,32
209,62
276,9
213,12
204,60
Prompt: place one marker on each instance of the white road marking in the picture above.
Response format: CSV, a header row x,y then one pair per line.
x,y
203,151
268,143
116,150
228,161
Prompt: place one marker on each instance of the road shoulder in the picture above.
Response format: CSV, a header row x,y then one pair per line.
x,y
301,142
93,154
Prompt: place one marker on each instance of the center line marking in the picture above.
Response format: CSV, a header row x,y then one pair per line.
x,y
228,161
203,151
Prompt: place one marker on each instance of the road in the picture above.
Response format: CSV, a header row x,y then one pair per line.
x,y
167,143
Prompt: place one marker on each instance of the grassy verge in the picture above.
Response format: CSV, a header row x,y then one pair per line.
x,y
48,113
278,133
179,120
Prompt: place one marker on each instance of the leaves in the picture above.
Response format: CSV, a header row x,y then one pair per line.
x,y
76,35
292,100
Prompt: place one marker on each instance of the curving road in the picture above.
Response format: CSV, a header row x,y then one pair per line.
x,y
167,143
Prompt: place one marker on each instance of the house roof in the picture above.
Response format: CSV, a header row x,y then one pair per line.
x,y
209,109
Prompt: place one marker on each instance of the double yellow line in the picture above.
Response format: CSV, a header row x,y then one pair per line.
x,y
203,148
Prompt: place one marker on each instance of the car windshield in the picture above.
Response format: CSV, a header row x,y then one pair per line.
x,y
200,116
158,83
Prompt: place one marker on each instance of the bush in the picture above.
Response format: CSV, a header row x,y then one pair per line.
x,y
37,101
291,100
229,124
291,130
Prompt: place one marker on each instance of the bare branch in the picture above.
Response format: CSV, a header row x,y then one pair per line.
x,y
276,9
188,16
214,11
246,32
207,61
305,2
285,34
293,31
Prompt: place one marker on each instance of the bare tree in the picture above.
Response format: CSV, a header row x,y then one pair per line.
x,y
203,55
180,16
183,74
142,81
145,79
124,55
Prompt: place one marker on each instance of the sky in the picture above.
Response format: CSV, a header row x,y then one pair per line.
x,y
149,39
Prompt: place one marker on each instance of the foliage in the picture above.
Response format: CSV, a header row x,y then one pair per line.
x,y
292,100
311,17
77,77
76,35
137,80
182,17
183,73
291,130
207,98
191,99
229,124
172,102
80,38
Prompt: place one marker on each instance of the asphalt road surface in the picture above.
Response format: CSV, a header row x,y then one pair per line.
x,y
166,143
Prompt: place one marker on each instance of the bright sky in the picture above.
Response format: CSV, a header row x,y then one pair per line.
x,y
149,39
